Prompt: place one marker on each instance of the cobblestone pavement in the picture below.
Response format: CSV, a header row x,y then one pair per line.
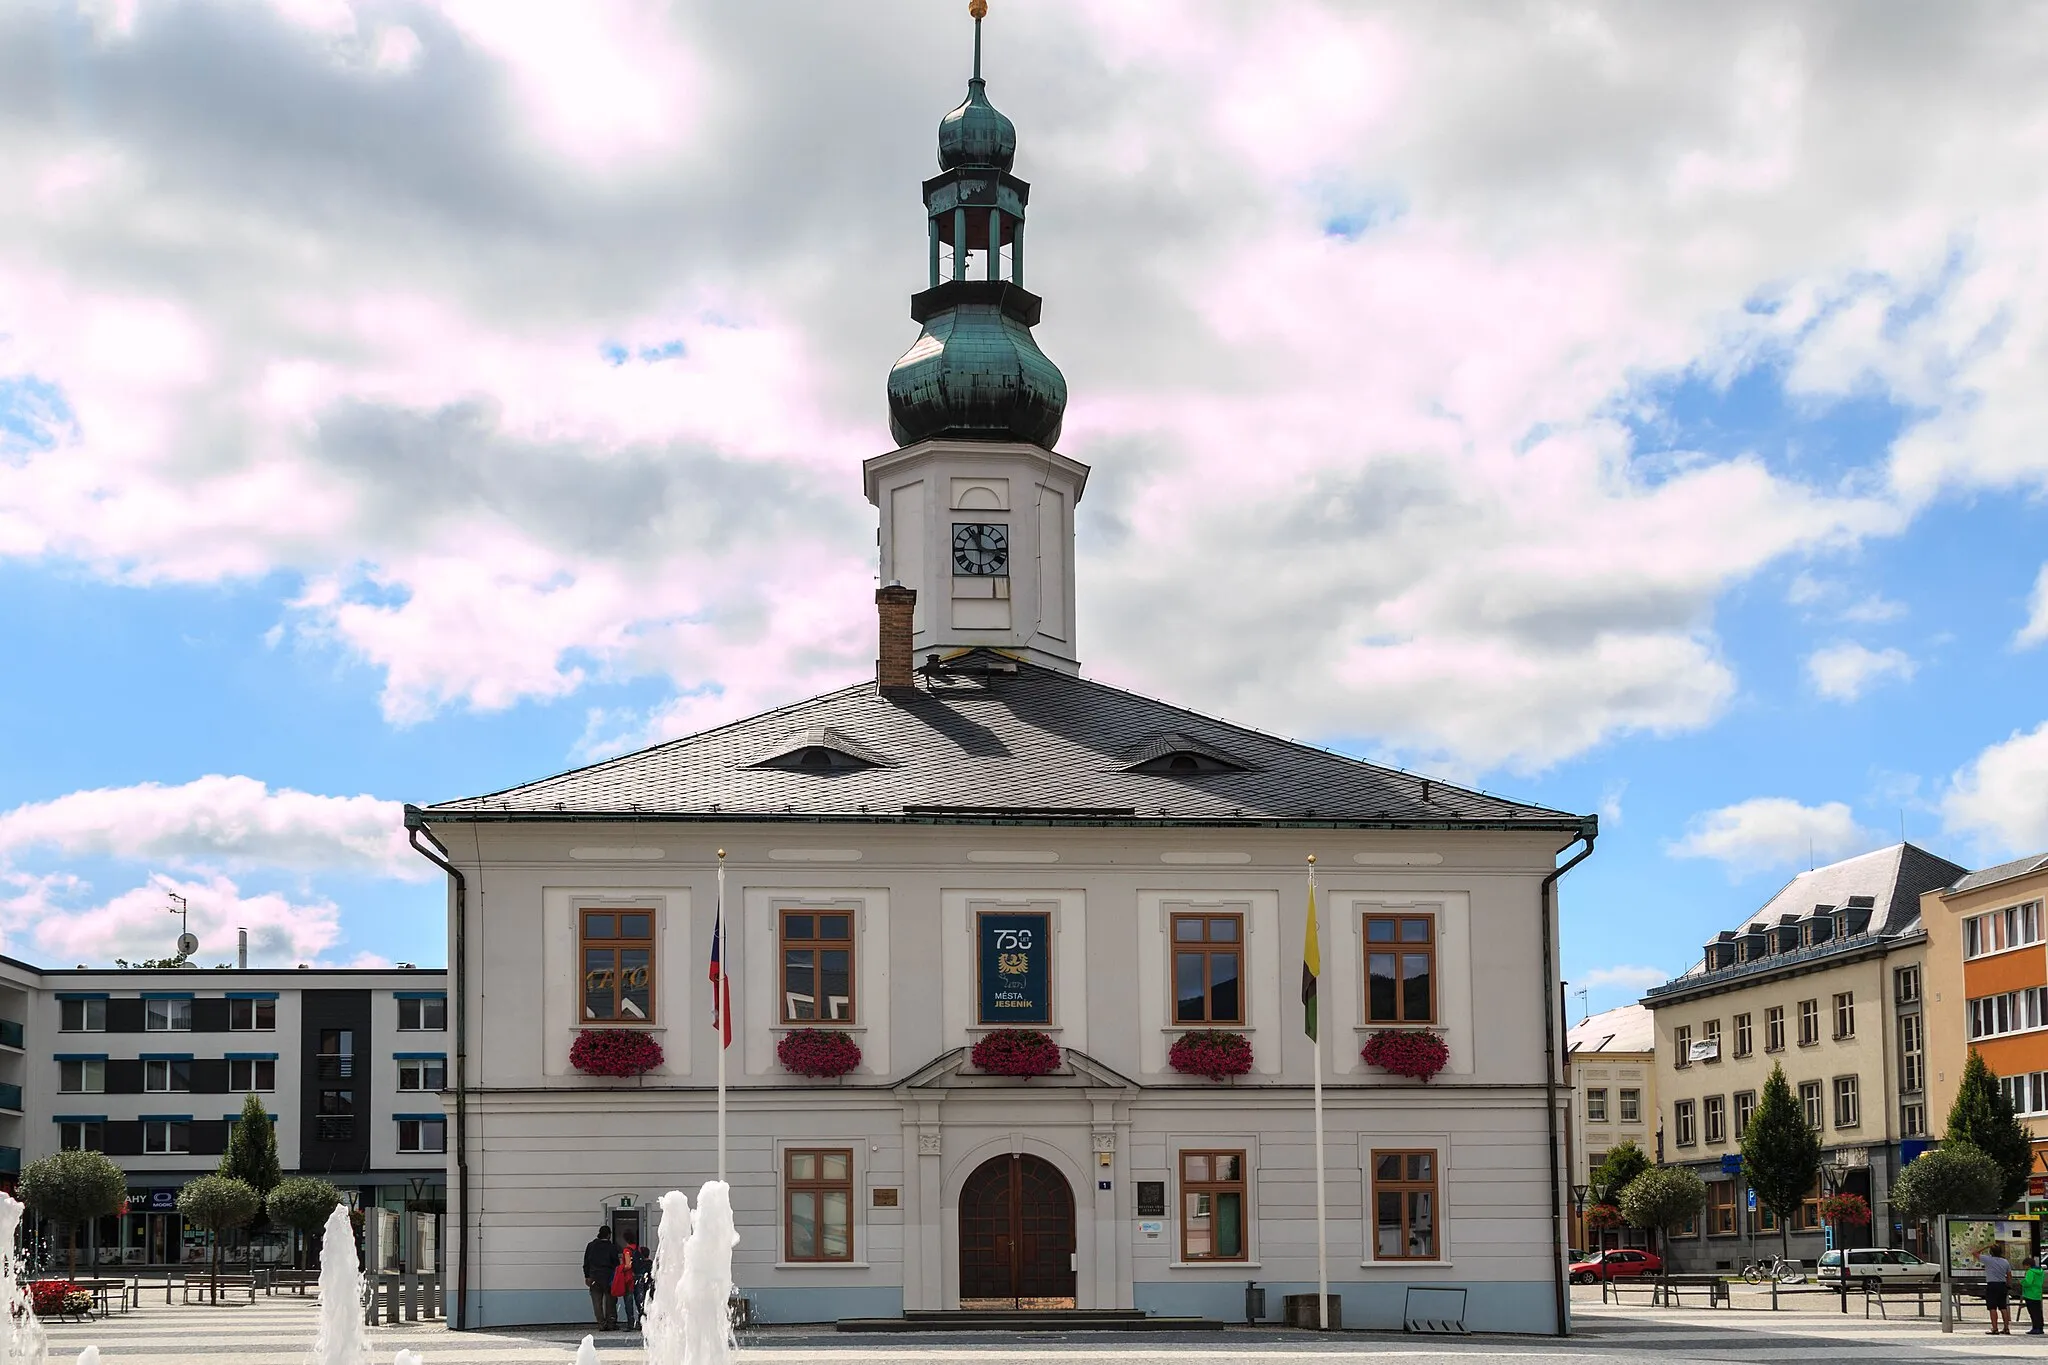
x,y
279,1331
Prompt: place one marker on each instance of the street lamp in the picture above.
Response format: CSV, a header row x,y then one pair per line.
x,y
1579,1193
1835,1173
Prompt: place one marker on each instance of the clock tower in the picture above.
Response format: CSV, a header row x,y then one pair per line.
x,y
977,507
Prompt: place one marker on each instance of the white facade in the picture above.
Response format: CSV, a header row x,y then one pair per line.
x,y
547,1157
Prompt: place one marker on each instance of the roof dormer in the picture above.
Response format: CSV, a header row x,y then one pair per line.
x,y
1176,754
821,749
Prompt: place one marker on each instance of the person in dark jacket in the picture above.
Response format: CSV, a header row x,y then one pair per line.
x,y
600,1259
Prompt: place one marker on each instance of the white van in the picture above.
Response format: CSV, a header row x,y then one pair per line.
x,y
1878,1263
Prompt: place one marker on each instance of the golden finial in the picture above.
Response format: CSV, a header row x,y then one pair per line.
x,y
721,855
978,8
1311,860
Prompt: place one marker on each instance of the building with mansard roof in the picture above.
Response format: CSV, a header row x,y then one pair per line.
x,y
979,842
1826,979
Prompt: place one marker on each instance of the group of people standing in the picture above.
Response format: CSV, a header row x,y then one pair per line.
x,y
618,1276
1998,1277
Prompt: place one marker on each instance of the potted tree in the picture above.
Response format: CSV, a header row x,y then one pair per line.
x,y
72,1189
218,1204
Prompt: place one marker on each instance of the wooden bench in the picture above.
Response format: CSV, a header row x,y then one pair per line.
x,y
200,1288
1668,1291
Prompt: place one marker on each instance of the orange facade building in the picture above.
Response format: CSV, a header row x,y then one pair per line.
x,y
1987,988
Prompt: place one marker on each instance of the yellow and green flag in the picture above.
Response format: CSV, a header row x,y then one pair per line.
x,y
1311,967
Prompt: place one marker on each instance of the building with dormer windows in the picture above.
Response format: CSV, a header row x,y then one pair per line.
x,y
1826,979
981,839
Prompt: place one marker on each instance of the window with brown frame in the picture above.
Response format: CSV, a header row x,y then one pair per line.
x,y
817,1204
1400,969
1721,1207
1208,964
1404,1186
1212,1206
817,966
618,965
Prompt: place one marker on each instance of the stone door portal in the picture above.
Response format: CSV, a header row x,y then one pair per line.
x,y
1016,1236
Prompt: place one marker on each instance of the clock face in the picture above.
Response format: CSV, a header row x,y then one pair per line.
x,y
980,548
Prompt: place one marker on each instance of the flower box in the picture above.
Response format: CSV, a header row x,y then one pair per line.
x,y
1852,1209
1604,1218
1407,1052
1211,1052
1016,1052
614,1052
818,1053
48,1298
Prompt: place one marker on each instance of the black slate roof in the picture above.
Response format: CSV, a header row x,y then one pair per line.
x,y
1036,745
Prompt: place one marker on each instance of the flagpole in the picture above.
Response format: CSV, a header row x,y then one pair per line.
x,y
1316,1047
721,1002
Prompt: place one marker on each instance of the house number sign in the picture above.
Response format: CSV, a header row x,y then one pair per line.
x,y
1015,957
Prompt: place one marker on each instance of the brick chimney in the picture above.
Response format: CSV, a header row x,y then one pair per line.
x,y
895,605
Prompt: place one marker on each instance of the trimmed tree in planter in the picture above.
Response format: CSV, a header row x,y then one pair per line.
x,y
1016,1052
1663,1199
72,1189
818,1053
1215,1053
614,1052
1407,1052
302,1204
218,1203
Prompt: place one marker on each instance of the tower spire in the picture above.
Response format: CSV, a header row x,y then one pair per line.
x,y
976,372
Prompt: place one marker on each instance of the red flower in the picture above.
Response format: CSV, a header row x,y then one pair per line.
x,y
1211,1052
1853,1209
614,1052
817,1052
1603,1216
48,1296
1407,1052
1016,1052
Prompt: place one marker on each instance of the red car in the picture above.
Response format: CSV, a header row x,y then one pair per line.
x,y
1619,1264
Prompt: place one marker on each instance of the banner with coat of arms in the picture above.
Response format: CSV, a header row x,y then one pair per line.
x,y
1014,952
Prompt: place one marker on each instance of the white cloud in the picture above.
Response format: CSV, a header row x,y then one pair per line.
x,y
215,820
52,920
557,388
1624,977
1767,832
2036,629
1846,670
2000,798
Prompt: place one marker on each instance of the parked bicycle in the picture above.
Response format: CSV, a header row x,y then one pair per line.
x,y
1777,1268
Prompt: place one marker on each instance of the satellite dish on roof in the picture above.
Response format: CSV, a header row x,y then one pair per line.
x,y
188,944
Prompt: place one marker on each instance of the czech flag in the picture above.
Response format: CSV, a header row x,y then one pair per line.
x,y
721,985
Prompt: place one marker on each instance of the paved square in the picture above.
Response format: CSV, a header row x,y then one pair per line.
x,y
279,1331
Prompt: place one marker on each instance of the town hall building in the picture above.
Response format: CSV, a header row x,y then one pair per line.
x,y
981,841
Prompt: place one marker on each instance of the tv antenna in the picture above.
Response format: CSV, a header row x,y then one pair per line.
x,y
1585,1010
188,942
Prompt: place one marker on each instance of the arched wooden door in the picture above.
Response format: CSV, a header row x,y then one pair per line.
x,y
1016,1236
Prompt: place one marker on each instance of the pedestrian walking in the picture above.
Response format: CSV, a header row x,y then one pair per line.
x,y
600,1260
1997,1288
2032,1280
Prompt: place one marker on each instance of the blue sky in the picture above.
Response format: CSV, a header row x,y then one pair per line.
x,y
1627,414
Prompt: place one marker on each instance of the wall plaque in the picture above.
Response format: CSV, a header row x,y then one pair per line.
x,y
1151,1198
885,1198
1014,952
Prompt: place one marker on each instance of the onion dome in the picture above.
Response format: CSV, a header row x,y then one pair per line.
x,y
977,133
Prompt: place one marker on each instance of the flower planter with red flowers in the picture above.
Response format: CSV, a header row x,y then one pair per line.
x,y
1407,1052
1852,1209
1016,1052
615,1052
48,1298
1604,1218
818,1053
1211,1052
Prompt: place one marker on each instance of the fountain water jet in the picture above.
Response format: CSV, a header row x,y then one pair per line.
x,y
661,1322
89,1356
586,1354
342,1340
707,1278
21,1334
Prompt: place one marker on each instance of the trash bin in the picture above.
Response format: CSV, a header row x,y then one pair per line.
x,y
1300,1311
1254,1302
